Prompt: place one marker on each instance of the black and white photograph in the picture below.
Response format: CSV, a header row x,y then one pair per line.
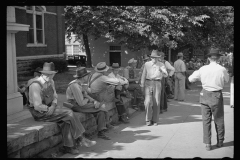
x,y
120,81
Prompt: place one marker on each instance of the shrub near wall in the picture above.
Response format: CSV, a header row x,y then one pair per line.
x,y
60,64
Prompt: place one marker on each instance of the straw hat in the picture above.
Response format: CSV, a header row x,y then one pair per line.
x,y
101,67
213,52
132,60
115,66
81,72
180,54
48,68
155,54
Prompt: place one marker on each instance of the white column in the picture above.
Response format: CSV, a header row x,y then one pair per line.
x,y
14,98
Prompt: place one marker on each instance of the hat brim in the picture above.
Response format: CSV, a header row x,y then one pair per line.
x,y
114,67
214,54
48,72
95,68
76,76
155,56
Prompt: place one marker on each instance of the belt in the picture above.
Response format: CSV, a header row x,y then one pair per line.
x,y
153,79
217,91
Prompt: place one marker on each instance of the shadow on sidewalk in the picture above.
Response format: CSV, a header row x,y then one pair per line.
x,y
225,144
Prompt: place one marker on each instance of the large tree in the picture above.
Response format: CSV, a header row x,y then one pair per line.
x,y
136,27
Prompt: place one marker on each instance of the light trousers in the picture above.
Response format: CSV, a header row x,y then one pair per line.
x,y
152,100
179,91
232,92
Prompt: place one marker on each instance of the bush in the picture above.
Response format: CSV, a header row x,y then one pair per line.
x,y
60,64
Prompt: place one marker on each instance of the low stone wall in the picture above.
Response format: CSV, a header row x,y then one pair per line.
x,y
29,138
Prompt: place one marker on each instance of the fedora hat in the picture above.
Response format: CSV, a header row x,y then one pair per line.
x,y
180,54
101,67
132,60
81,72
145,57
213,52
115,66
155,54
48,68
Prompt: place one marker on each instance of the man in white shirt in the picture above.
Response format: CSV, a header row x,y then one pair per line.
x,y
212,77
180,75
153,71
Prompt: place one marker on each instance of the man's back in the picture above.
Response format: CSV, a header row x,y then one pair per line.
x,y
179,66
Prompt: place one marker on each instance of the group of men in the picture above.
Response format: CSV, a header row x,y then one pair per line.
x,y
91,93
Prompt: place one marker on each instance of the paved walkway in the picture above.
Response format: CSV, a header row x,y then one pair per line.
x,y
179,134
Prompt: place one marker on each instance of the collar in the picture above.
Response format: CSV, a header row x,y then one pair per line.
x,y
213,63
43,81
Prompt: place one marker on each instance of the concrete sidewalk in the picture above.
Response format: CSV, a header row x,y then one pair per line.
x,y
179,134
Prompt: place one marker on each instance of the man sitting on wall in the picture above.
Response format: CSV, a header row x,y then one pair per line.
x,y
43,107
82,102
122,110
133,78
100,86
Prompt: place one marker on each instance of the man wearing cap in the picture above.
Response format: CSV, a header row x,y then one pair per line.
x,y
170,70
151,79
121,95
133,78
43,107
180,75
212,77
82,102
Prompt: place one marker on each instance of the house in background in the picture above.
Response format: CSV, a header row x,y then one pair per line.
x,y
45,38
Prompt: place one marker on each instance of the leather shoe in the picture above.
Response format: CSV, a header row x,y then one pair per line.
x,y
70,150
208,147
87,143
219,144
155,124
149,123
123,119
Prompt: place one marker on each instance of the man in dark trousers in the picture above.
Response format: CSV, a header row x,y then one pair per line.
x,y
212,77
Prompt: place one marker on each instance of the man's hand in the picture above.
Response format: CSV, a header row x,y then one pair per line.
x,y
50,110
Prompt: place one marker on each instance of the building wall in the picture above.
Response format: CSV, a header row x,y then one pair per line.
x,y
100,49
54,29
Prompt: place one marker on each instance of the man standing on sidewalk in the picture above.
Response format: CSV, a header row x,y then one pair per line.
x,y
212,77
153,72
180,75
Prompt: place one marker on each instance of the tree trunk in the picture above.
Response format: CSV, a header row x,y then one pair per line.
x,y
87,49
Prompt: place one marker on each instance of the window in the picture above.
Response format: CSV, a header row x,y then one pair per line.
x,y
35,18
76,49
69,49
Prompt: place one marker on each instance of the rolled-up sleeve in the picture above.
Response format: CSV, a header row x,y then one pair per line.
x,y
126,73
164,70
195,76
77,94
35,97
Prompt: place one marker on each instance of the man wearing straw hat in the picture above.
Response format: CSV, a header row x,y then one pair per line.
x,y
151,79
133,79
82,102
43,107
212,77
121,95
180,75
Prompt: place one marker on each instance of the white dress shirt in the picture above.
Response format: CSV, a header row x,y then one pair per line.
x,y
35,94
179,66
212,76
153,71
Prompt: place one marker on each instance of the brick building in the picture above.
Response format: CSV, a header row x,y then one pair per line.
x,y
46,35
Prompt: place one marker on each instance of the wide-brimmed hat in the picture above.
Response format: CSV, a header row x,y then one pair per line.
x,y
180,54
81,72
48,68
101,67
155,54
213,52
132,60
115,66
145,57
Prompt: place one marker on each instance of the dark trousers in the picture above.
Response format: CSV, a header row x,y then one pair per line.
x,y
212,104
163,98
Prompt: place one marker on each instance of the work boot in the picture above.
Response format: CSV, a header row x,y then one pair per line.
x,y
123,119
103,136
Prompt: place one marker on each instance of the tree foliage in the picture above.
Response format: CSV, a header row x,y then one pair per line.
x,y
153,27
